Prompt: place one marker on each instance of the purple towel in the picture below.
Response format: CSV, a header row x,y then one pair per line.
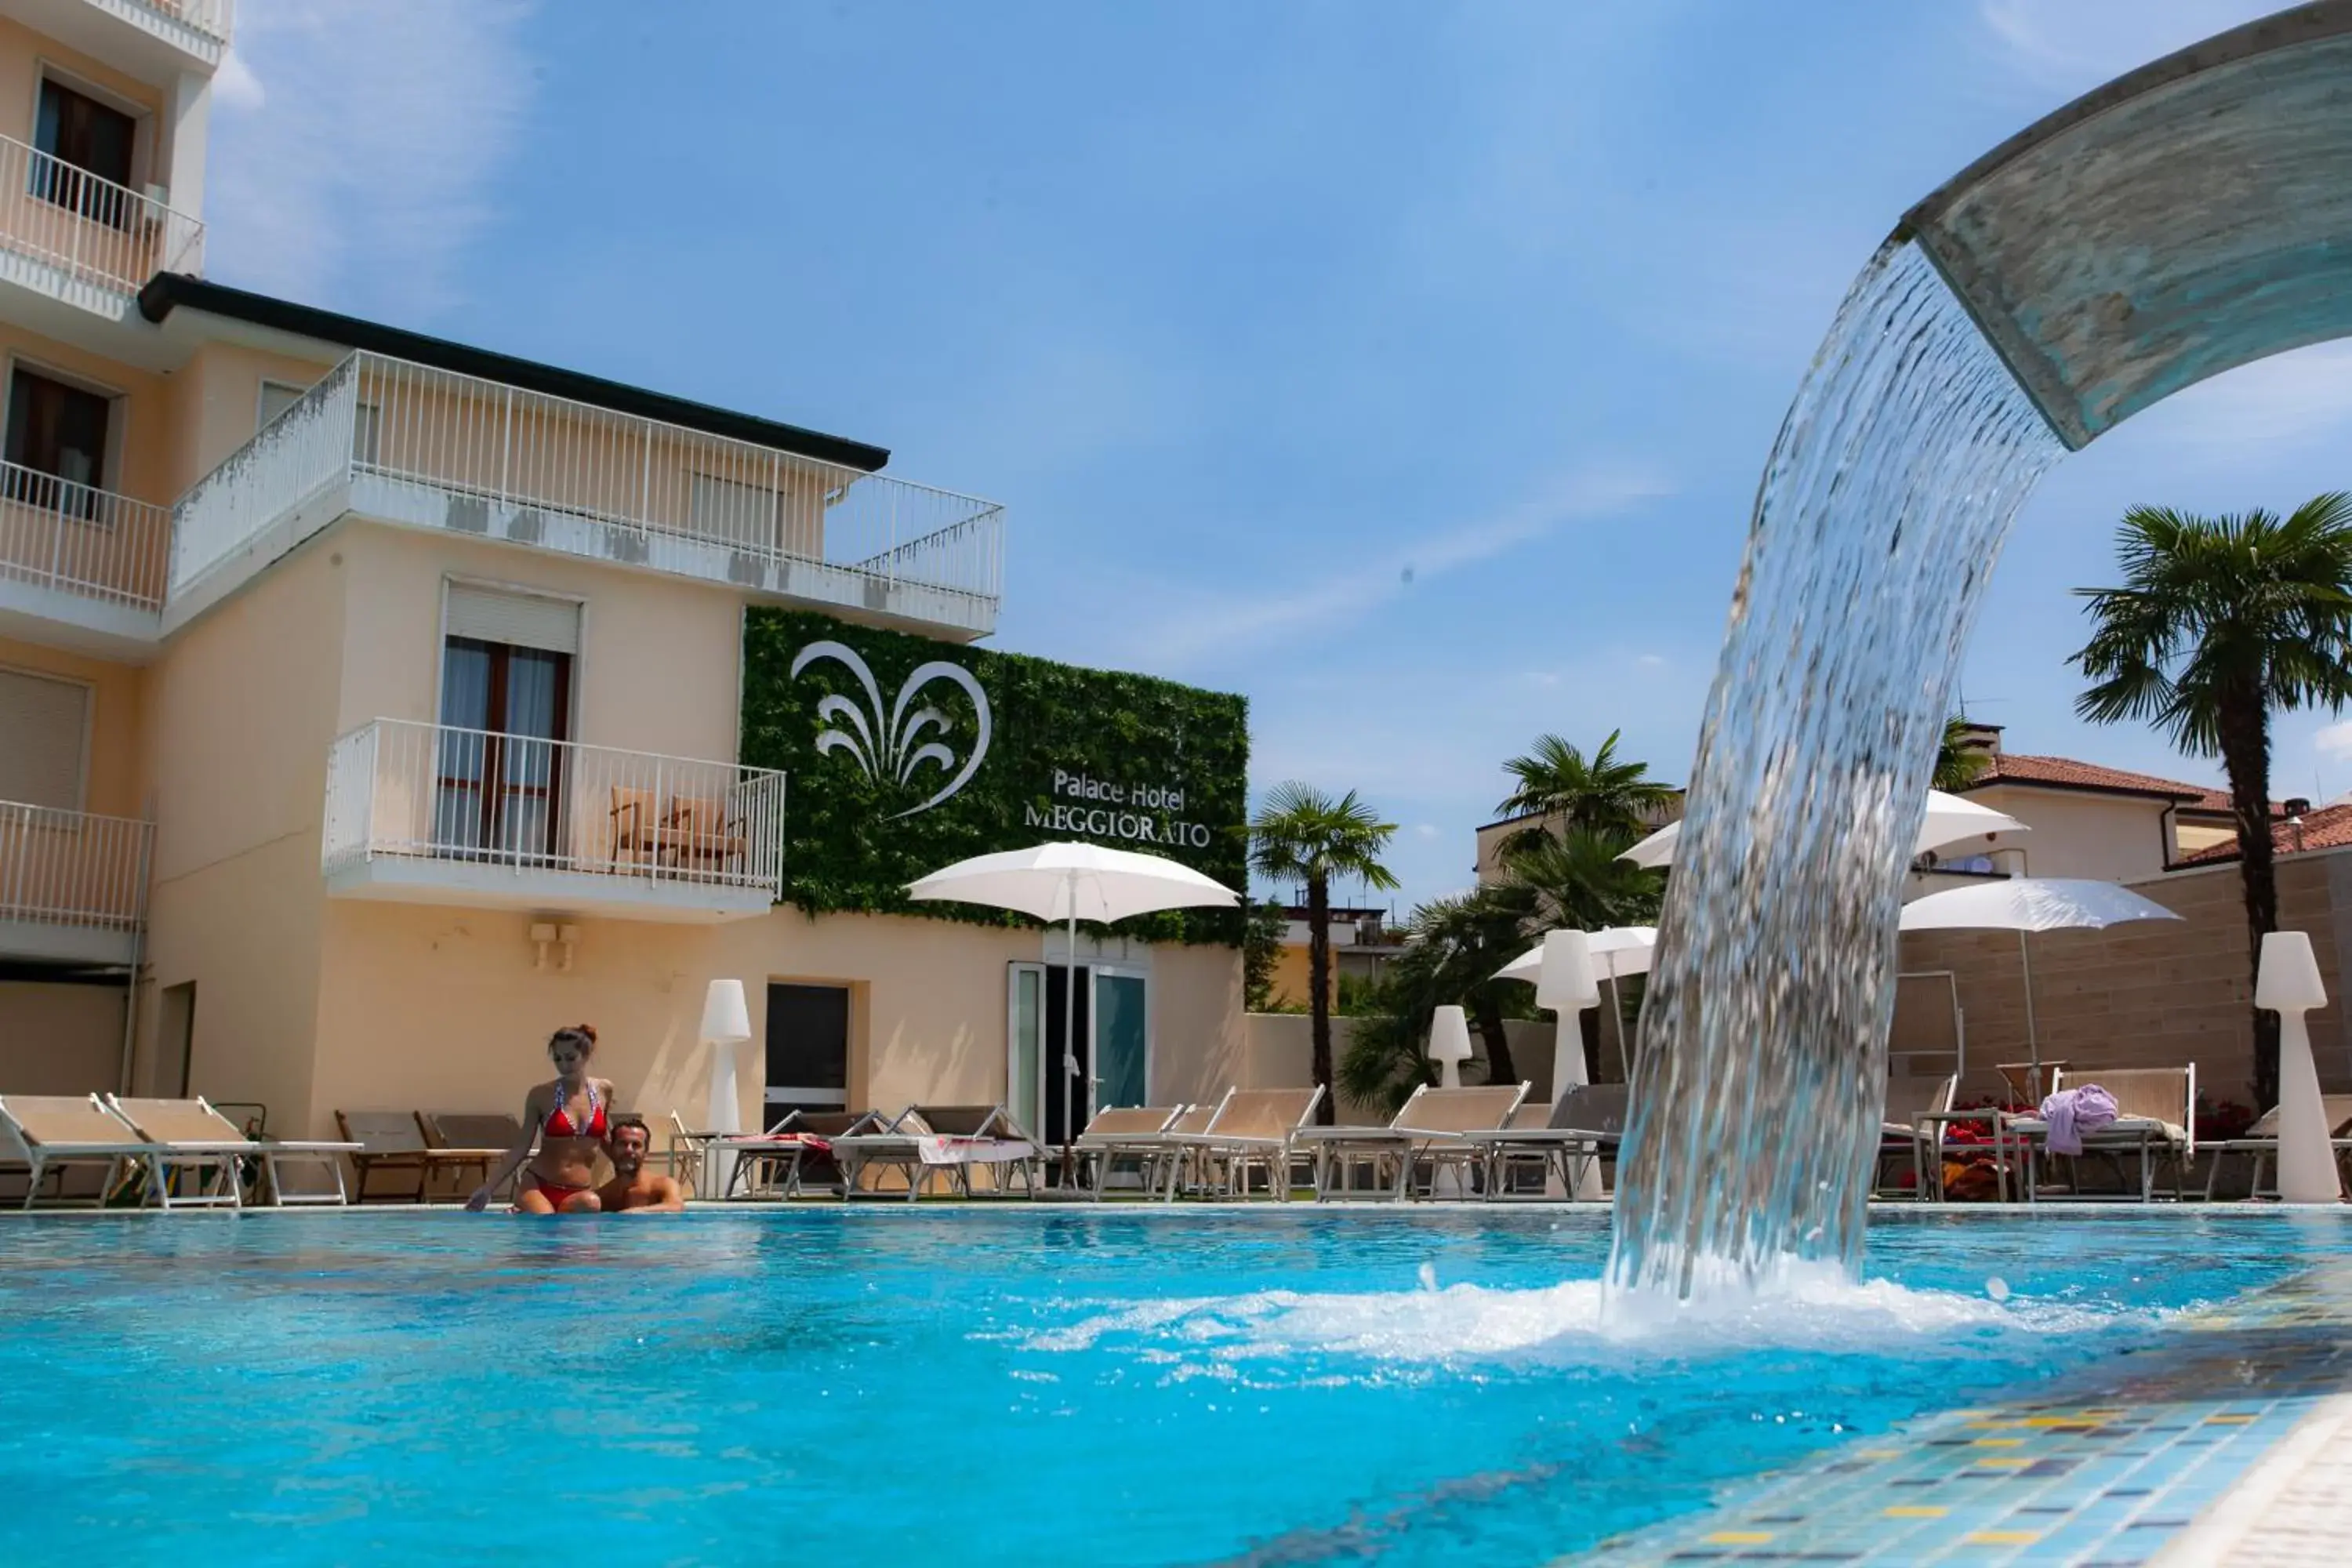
x,y
2072,1112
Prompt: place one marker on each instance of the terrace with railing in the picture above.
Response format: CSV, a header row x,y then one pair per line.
x,y
73,236
410,444
81,540
435,813
73,885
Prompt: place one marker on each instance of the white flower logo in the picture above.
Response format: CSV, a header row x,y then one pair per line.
x,y
891,748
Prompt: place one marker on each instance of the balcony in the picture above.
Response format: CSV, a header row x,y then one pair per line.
x,y
154,40
421,448
73,886
81,558
432,813
70,236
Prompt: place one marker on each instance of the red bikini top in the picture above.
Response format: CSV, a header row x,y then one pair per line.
x,y
559,1122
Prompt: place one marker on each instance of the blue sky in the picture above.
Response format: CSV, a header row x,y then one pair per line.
x,y
1408,367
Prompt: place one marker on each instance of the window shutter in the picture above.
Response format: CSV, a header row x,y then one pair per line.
x,y
518,620
41,724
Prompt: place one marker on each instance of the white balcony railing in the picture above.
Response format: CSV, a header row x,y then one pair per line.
x,y
72,868
213,18
472,798
92,229
656,494
83,540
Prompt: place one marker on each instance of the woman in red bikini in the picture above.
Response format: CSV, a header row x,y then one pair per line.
x,y
568,1120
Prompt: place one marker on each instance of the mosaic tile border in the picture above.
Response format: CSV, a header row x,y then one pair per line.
x,y
2110,1476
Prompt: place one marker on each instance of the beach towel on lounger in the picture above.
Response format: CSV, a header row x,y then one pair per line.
x,y
2072,1112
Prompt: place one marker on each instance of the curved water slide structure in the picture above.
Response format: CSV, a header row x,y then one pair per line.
x,y
2180,221
2187,218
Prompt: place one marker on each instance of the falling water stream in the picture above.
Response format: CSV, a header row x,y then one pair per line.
x,y
1757,1092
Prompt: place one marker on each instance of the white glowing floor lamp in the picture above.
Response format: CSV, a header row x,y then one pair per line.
x,y
1565,985
726,1024
1449,1048
2288,983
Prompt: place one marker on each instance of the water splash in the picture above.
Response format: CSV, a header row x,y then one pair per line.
x,y
1758,1092
1569,1324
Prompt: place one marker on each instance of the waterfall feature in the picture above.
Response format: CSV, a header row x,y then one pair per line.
x,y
1758,1095
2192,216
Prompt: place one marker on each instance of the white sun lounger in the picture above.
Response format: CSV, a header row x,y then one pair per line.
x,y
2159,1107
925,1140
1125,1131
51,1134
190,1135
1432,1124
1585,1124
1253,1128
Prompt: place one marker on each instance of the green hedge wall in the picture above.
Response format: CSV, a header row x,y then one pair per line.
x,y
848,849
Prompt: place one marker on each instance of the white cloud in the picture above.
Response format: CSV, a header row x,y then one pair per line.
x,y
2075,45
2288,400
1326,600
1426,829
355,142
235,86
2334,740
1652,660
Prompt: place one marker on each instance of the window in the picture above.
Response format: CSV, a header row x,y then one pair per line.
x,y
59,432
276,397
731,511
42,723
367,422
506,701
89,150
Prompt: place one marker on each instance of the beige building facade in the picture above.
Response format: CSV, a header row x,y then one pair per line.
x,y
371,705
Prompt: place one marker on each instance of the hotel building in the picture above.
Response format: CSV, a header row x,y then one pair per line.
x,y
371,705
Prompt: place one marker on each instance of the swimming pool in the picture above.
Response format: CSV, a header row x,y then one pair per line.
x,y
1025,1384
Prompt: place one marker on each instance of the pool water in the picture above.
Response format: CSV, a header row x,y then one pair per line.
x,y
981,1386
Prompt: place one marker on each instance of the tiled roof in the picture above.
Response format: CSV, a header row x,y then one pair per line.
x,y
2323,827
2065,773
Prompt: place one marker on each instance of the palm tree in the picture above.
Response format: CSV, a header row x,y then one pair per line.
x,y
1464,941
1958,762
1580,883
1597,792
2219,621
1453,947
1301,835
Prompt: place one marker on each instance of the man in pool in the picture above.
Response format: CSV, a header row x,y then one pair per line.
x,y
634,1189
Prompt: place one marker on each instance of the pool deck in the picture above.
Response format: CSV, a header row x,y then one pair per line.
x,y
2224,1449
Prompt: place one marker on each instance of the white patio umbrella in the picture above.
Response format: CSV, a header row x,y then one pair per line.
x,y
1617,951
1949,820
2024,904
1074,882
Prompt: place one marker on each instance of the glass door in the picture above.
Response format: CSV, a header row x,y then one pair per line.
x,y
1122,1038
1024,1050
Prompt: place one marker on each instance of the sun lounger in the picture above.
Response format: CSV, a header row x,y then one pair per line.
x,y
2156,1120
1125,1131
1174,1150
939,1140
1432,1124
51,1134
394,1141
474,1132
190,1135
769,1164
1586,1124
1254,1128
2260,1142
1903,1136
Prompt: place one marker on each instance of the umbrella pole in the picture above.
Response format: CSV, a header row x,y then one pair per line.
x,y
1069,1045
1617,1016
2032,1041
